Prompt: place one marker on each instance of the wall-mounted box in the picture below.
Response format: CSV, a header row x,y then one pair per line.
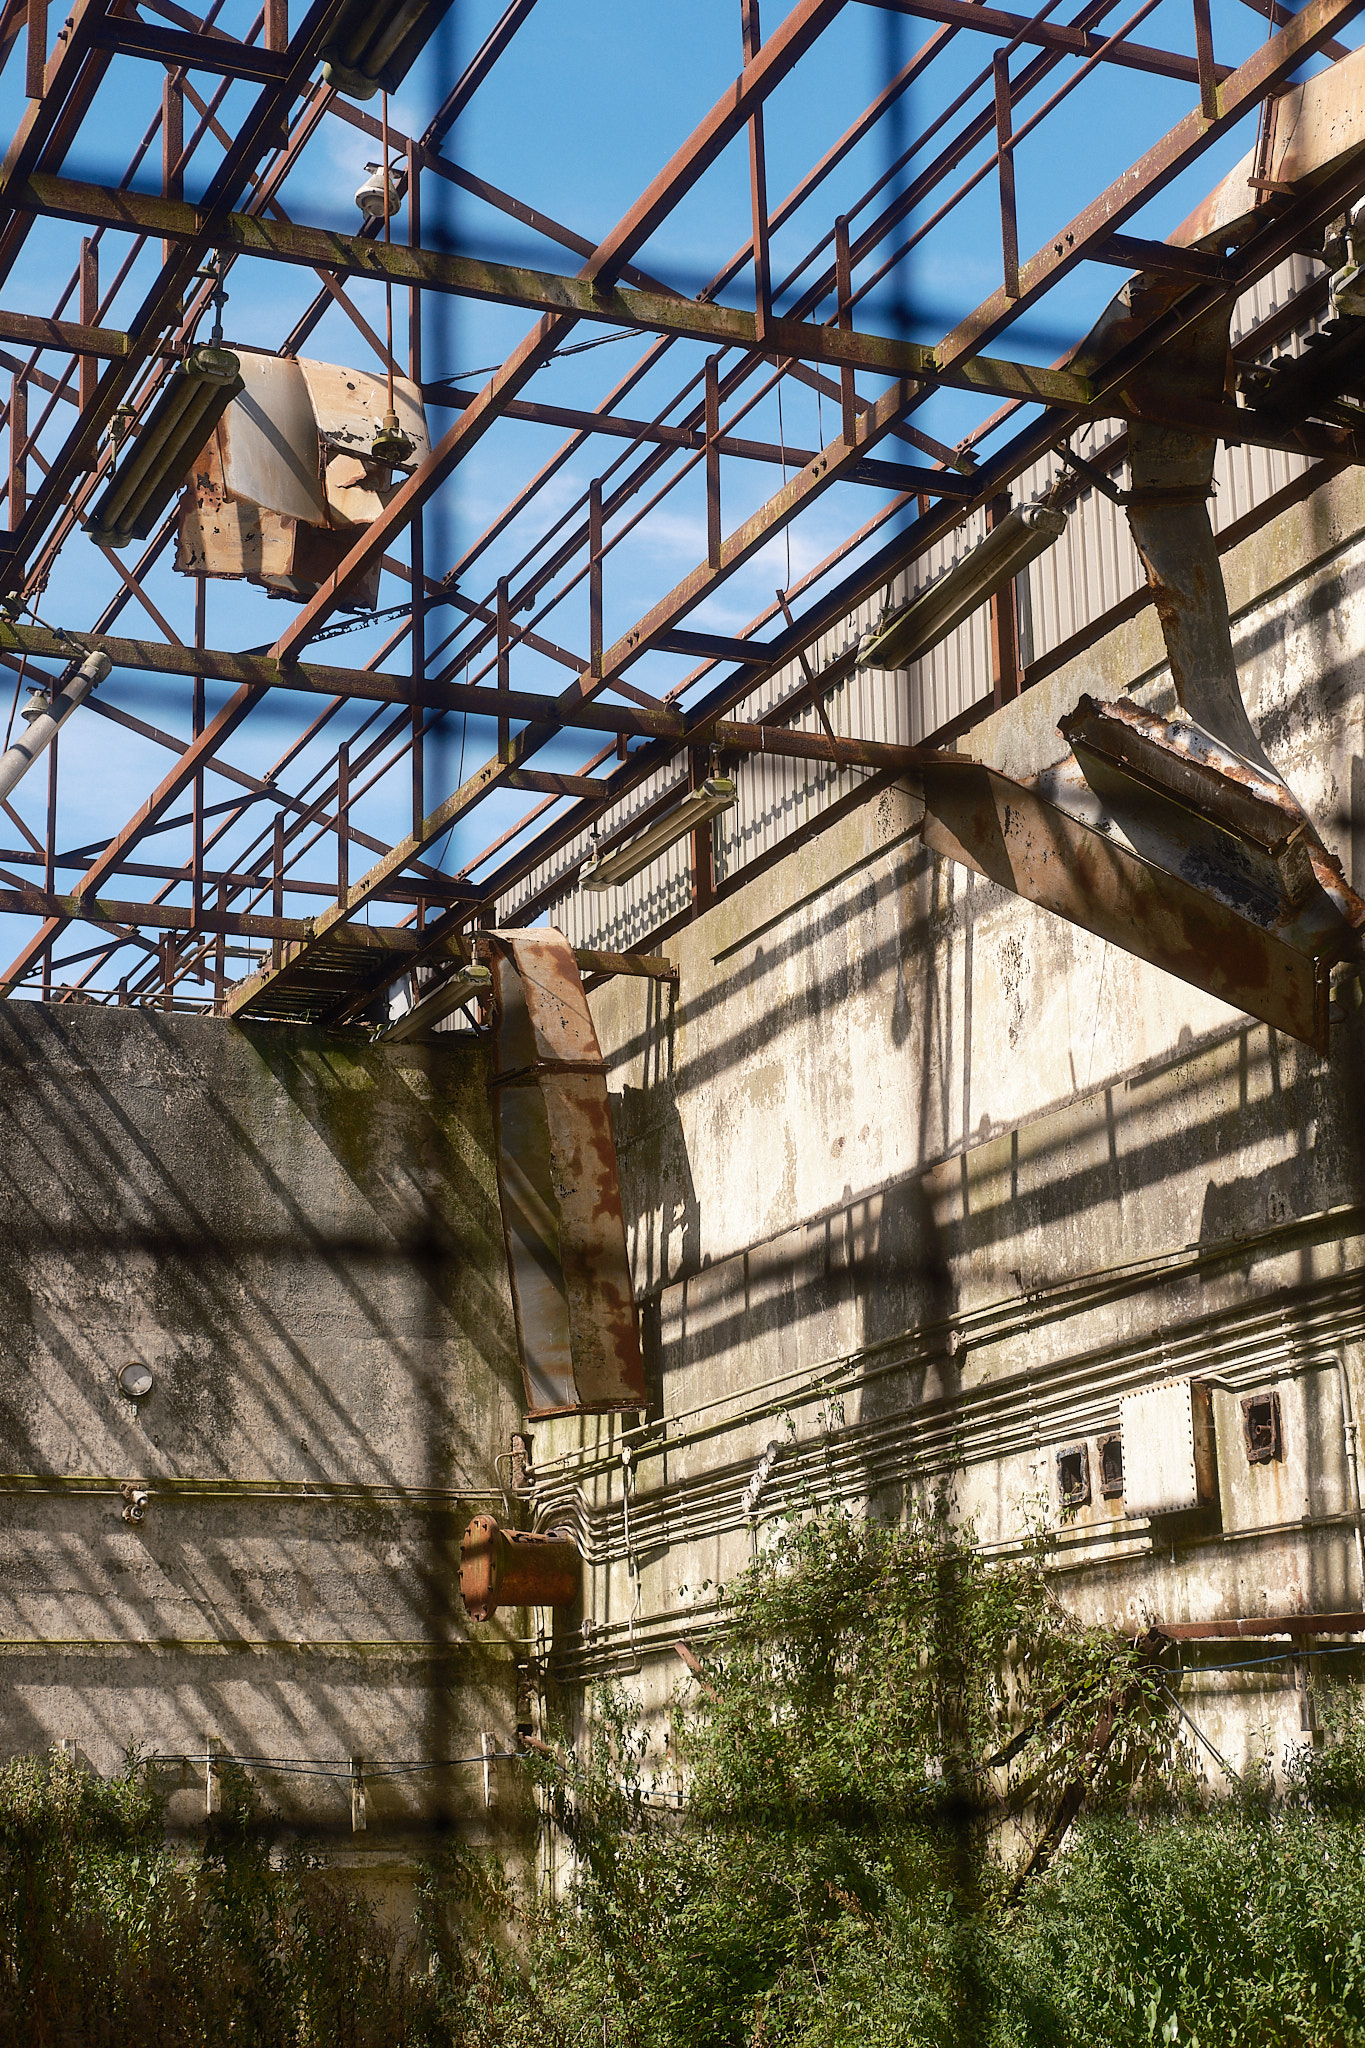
x,y
1169,1464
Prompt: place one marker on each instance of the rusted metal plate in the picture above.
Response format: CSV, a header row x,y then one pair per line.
x,y
1314,126
349,407
577,1328
1088,872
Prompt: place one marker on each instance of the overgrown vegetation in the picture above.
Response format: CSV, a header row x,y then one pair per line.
x,y
880,1750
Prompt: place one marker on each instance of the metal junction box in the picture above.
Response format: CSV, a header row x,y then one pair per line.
x,y
1168,1448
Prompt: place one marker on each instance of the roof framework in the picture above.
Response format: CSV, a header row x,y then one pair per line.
x,y
298,885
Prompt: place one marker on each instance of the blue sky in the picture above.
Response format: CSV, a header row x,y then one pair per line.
x,y
590,101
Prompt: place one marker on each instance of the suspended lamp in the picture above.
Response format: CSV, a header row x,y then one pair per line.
x,y
905,634
718,793
436,1004
372,43
148,476
372,199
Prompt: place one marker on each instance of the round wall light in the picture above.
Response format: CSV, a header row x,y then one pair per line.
x,y
135,1379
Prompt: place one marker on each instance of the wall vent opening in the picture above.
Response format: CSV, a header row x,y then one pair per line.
x,y
1073,1476
1111,1466
1261,1430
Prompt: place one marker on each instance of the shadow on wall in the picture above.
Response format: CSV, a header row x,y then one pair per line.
x,y
1244,1136
300,1236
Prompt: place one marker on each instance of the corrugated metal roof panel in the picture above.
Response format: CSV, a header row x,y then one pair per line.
x,y
1093,567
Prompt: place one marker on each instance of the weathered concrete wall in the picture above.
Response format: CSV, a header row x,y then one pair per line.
x,y
920,1180
299,1236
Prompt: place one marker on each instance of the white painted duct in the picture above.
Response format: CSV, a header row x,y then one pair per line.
x,y
43,724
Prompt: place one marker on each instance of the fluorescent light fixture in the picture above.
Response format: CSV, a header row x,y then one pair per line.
x,y
717,794
437,1004
152,469
374,43
904,635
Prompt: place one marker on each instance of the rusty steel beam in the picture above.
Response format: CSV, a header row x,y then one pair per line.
x,y
546,783
580,298
1133,252
896,476
197,756
762,74
32,331
1051,35
424,157
241,881
1274,11
1267,69
129,37
1020,837
644,966
1262,1628
47,114
260,672
170,917
494,44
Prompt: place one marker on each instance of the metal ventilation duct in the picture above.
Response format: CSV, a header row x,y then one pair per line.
x,y
577,1329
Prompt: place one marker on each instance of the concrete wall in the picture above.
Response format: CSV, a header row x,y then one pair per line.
x,y
920,1180
299,1236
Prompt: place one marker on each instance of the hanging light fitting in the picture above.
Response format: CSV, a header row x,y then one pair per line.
x,y
159,456
903,635
718,793
373,43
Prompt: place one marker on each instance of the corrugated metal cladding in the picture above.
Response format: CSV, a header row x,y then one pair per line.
x,y
1092,568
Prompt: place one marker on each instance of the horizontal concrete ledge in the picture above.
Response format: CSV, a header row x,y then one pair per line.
x,y
412,1650
1260,1629
164,1490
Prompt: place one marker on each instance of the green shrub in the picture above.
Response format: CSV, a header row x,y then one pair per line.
x,y
884,1734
